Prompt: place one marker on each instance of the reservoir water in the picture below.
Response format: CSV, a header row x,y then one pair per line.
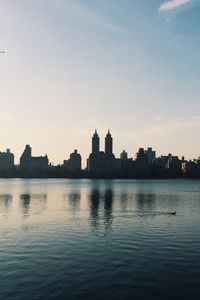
x,y
99,239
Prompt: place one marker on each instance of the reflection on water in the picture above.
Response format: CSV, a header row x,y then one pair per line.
x,y
108,203
124,200
73,198
32,203
98,239
25,203
145,202
5,203
101,203
94,199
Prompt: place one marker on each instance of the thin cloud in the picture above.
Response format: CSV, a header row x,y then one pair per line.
x,y
88,15
172,4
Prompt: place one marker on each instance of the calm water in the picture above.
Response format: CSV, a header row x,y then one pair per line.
x,y
84,239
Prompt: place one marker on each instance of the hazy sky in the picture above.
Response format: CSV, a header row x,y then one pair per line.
x,y
72,66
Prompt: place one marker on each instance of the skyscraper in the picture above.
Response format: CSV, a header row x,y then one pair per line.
x,y
95,143
73,164
6,160
31,163
108,144
25,158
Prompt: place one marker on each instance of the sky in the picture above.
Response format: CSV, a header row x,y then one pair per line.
x,y
73,66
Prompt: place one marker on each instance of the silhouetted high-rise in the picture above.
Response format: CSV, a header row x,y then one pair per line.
x,y
95,143
28,163
25,158
108,144
73,164
6,160
124,155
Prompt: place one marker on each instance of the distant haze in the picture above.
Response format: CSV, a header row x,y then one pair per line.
x,y
73,66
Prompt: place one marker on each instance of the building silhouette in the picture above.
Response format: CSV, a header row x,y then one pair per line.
x,y
124,155
95,143
150,156
25,159
73,164
6,161
145,157
100,162
31,165
109,145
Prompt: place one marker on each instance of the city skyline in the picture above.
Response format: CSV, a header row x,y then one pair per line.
x,y
102,145
100,164
101,148
96,151
72,66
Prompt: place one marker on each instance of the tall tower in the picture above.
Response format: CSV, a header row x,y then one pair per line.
x,y
95,143
108,144
26,157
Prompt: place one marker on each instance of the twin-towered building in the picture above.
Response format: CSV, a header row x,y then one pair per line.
x,y
108,145
100,162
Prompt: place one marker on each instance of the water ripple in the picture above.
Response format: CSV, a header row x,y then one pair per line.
x,y
71,239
